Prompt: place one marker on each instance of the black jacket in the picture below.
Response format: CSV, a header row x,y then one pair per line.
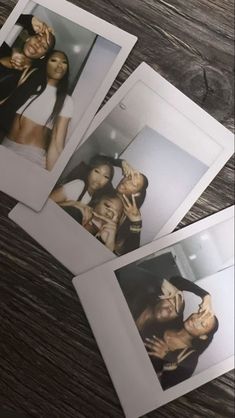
x,y
142,288
9,78
128,234
176,367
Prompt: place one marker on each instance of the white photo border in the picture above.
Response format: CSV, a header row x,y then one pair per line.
x,y
22,179
65,239
122,348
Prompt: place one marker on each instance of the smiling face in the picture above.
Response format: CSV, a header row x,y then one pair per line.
x,y
98,178
57,66
110,208
129,186
199,324
37,46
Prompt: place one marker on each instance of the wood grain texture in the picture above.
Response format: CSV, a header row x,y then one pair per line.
x,y
50,366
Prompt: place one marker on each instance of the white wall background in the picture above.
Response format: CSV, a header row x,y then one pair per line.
x,y
76,42
210,251
221,288
90,56
204,253
172,173
98,64
159,141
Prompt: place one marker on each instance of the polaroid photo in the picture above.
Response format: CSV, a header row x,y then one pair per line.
x,y
146,158
57,63
163,316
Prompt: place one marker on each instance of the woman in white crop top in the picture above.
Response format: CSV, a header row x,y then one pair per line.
x,y
40,126
97,177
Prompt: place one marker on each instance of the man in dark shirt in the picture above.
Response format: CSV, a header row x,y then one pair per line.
x,y
12,63
20,75
153,300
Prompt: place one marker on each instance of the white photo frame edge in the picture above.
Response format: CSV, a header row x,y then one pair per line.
x,y
34,223
102,298
41,180
170,239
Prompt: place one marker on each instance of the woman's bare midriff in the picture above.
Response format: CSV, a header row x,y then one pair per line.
x,y
25,131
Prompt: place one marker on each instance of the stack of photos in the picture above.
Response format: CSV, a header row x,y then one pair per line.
x,y
168,310
57,62
102,187
147,156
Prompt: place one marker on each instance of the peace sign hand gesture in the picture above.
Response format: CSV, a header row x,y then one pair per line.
x,y
130,208
42,28
128,170
108,230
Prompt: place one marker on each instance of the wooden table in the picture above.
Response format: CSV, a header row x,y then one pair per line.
x,y
50,366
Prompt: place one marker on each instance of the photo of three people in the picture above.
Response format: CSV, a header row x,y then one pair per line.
x,y
127,179
111,214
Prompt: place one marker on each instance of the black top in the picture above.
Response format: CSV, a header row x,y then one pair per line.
x,y
176,367
142,288
128,237
9,78
128,234
75,213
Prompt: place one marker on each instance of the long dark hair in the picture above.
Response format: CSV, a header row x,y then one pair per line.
x,y
34,84
95,162
153,326
99,160
61,88
82,171
107,194
142,193
201,345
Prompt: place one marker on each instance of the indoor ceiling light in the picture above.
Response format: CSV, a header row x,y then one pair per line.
x,y
204,237
77,49
113,134
192,257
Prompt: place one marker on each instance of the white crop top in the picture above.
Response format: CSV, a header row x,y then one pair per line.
x,y
41,108
73,189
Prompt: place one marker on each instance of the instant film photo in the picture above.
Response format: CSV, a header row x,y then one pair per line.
x,y
57,62
163,316
146,158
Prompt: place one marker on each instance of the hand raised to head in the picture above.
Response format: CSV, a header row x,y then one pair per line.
x,y
130,208
128,170
42,28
